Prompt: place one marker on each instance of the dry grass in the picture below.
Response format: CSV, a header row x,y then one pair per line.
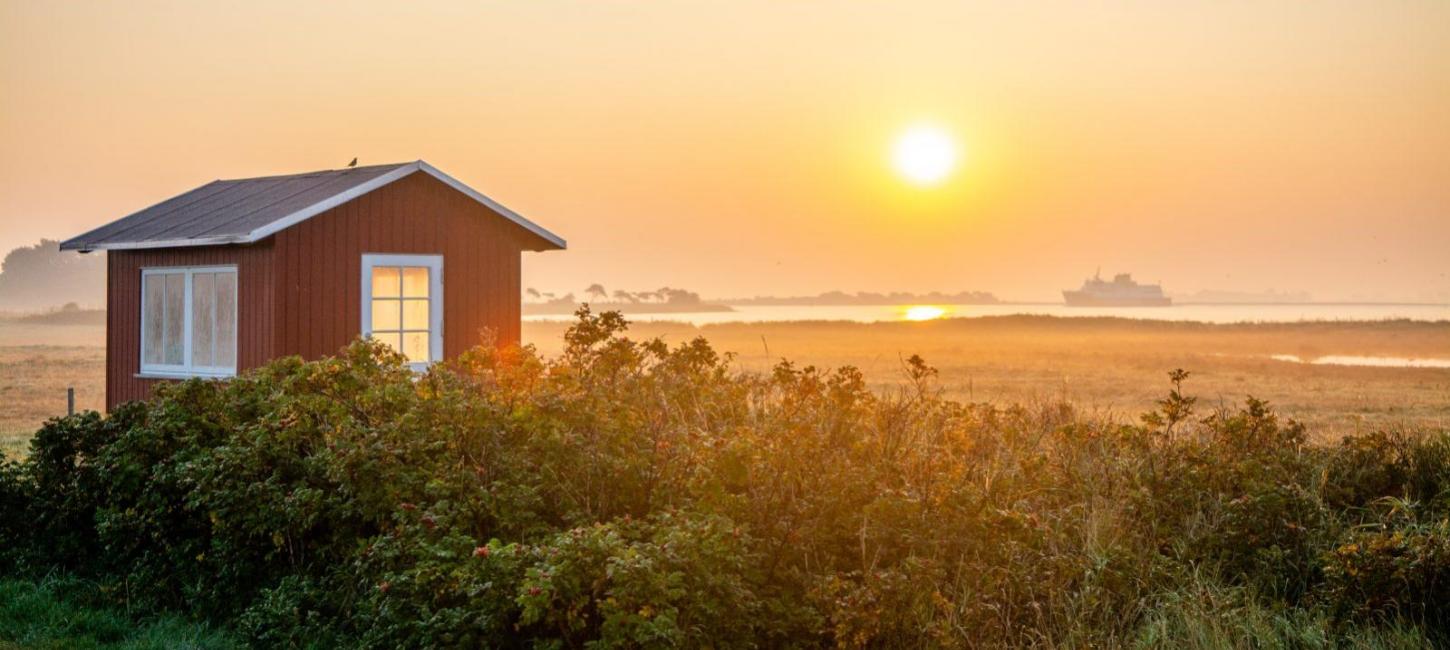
x,y
33,382
37,364
1115,365
1112,365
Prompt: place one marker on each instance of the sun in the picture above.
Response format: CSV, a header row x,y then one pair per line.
x,y
924,155
924,312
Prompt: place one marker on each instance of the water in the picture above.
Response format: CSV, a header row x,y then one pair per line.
x,y
1376,362
1203,313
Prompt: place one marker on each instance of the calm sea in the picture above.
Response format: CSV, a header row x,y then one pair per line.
x,y
1204,313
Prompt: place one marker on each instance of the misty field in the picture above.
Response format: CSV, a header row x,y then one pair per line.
x,y
1110,366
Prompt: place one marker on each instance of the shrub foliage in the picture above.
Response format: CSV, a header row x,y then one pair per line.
x,y
631,493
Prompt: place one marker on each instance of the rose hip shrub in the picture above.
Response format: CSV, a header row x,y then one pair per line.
x,y
631,493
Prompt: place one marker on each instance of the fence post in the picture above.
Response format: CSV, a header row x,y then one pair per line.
x,y
70,400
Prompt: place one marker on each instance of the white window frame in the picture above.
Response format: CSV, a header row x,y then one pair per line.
x,y
434,264
185,369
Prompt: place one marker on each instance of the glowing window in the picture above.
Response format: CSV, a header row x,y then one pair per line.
x,y
403,304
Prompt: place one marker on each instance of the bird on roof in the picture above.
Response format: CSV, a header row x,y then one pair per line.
x,y
353,163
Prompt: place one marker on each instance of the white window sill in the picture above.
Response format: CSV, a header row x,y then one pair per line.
x,y
157,374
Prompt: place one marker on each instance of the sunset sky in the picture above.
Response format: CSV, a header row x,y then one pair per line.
x,y
746,148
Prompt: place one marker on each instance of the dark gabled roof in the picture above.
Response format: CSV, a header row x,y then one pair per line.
x,y
246,210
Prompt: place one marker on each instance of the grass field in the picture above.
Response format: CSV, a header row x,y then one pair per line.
x,y
33,382
53,613
1114,366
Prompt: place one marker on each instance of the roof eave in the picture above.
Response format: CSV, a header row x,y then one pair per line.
x,y
86,247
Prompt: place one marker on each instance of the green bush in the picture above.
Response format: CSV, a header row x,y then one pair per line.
x,y
1390,464
631,493
1388,575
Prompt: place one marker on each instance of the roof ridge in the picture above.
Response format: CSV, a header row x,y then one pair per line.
x,y
317,172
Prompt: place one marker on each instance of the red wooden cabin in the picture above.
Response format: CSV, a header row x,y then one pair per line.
x,y
237,272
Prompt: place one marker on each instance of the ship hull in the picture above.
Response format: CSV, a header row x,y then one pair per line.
x,y
1084,299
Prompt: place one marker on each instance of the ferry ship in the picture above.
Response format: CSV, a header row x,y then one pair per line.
x,y
1122,291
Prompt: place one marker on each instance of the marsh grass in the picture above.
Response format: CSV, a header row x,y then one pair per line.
x,y
1203,614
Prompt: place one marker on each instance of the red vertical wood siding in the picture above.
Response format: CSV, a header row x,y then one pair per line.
x,y
255,300
299,291
319,290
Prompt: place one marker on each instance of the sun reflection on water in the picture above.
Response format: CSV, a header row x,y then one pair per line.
x,y
924,312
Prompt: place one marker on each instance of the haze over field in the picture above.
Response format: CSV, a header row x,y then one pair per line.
x,y
1231,147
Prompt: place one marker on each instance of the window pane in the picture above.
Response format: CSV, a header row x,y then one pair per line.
x,y
385,281
392,339
203,318
175,319
153,314
415,282
385,315
415,314
415,347
226,320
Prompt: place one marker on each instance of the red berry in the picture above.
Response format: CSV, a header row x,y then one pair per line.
x,y
481,551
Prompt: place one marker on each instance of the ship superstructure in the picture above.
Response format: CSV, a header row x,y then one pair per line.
x,y
1121,291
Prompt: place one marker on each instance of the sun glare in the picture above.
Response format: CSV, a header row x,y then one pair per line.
x,y
924,155
924,312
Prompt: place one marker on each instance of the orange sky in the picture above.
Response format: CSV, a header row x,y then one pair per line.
x,y
743,149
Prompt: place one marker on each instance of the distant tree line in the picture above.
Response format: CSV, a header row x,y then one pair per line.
x,y
41,277
597,294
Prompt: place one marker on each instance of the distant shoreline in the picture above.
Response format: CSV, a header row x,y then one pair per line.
x,y
1200,303
568,309
1058,303
1186,312
57,317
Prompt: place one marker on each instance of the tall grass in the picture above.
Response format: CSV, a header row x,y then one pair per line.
x,y
55,612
